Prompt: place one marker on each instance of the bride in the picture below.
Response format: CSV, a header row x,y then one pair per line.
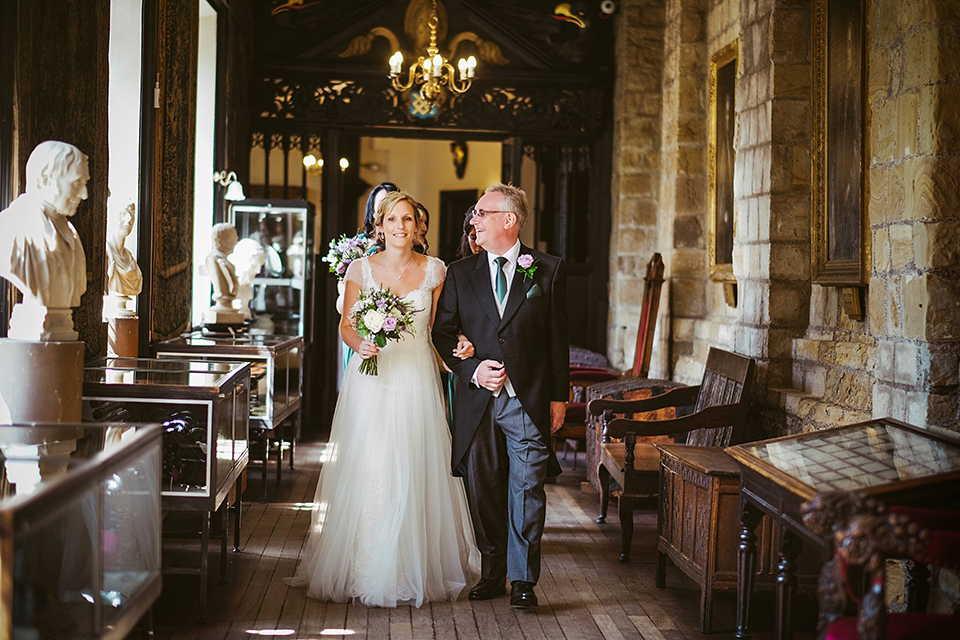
x,y
390,524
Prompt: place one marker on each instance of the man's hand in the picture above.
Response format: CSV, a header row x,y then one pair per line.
x,y
491,375
558,411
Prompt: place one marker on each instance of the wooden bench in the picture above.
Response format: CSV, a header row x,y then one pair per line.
x,y
712,414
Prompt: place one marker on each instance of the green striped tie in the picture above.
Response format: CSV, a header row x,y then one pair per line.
x,y
501,279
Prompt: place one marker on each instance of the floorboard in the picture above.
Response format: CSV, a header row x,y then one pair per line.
x,y
585,592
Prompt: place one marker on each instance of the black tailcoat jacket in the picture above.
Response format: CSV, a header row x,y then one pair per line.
x,y
531,340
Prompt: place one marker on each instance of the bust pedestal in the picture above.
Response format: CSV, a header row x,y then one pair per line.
x,y
227,316
122,325
122,339
43,381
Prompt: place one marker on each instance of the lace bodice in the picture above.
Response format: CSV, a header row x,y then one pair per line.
x,y
361,273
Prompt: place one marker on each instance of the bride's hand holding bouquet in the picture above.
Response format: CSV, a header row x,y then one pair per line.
x,y
378,316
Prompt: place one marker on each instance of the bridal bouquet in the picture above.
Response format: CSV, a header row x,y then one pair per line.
x,y
343,251
379,315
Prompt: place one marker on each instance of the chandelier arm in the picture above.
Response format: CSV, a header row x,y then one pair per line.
x,y
465,85
411,76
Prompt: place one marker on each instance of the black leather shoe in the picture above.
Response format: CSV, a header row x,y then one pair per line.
x,y
522,595
488,588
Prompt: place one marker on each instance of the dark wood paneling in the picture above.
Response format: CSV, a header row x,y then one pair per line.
x,y
62,90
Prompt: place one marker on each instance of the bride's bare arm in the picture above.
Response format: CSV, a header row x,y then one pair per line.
x,y
364,348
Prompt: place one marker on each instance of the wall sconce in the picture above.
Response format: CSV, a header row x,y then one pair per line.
x,y
232,183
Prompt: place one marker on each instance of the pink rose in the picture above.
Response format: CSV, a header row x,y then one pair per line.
x,y
525,261
389,323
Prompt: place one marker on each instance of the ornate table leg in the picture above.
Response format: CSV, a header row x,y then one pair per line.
x,y
746,566
790,546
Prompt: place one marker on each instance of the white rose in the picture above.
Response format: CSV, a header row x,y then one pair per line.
x,y
373,320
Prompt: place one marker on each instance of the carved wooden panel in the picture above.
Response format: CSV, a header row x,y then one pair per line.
x,y
177,31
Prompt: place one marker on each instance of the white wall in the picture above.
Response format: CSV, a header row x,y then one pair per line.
x,y
203,166
124,110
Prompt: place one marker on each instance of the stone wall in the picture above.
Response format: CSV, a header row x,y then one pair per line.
x,y
635,186
817,366
914,209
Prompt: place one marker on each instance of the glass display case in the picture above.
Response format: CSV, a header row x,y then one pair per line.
x,y
275,367
276,364
281,291
79,528
202,406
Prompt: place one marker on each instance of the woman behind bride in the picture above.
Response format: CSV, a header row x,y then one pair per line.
x,y
390,524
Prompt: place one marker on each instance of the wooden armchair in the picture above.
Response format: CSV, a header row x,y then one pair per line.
x,y
711,414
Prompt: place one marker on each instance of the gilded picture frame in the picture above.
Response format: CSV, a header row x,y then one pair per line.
x,y
720,161
840,252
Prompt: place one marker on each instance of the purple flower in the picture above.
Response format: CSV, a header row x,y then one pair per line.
x,y
381,303
526,265
389,323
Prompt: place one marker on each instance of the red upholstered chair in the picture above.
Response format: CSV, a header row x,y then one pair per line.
x,y
574,429
865,537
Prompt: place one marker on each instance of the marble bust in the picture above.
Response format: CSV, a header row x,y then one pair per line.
x,y
40,251
223,276
124,278
248,258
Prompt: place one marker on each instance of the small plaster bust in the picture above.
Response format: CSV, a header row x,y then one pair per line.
x,y
124,278
222,273
248,258
40,251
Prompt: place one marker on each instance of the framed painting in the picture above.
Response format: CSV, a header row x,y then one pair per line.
x,y
721,156
839,251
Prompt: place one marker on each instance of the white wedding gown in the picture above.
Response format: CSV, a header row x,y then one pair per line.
x,y
391,524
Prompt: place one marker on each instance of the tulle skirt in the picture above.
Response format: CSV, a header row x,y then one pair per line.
x,y
391,524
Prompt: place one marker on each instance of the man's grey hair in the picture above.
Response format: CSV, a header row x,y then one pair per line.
x,y
514,199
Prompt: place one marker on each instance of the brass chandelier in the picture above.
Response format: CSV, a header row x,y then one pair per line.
x,y
432,72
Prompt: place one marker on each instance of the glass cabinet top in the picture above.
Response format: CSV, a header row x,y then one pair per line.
x,y
33,454
195,374
154,364
858,456
250,340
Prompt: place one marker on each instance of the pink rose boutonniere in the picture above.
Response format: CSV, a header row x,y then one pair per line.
x,y
527,266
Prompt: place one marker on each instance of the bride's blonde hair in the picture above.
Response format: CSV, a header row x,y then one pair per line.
x,y
389,201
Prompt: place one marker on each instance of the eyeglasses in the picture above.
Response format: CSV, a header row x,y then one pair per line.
x,y
482,213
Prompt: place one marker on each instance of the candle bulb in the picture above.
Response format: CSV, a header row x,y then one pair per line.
x,y
396,63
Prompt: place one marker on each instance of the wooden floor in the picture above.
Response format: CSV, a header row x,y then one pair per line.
x,y
584,591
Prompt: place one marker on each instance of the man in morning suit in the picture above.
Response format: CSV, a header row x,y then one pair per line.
x,y
510,301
